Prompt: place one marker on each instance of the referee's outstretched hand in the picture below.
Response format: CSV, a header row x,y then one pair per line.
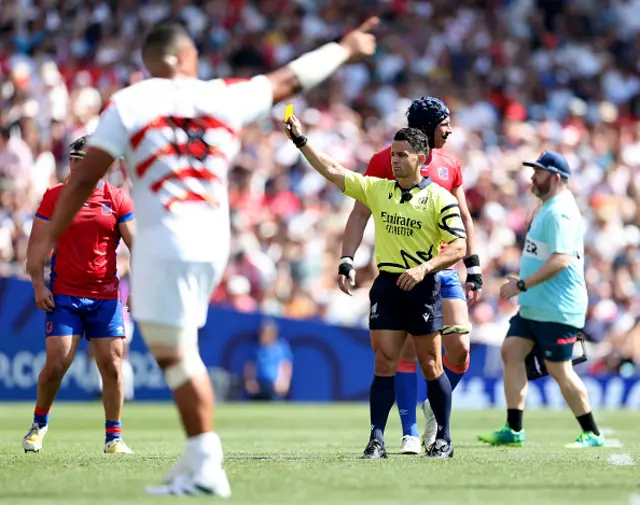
x,y
409,278
293,128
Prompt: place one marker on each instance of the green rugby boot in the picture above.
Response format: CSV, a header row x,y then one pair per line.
x,y
587,439
504,436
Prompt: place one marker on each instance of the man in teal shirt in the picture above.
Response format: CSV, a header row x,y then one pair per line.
x,y
552,295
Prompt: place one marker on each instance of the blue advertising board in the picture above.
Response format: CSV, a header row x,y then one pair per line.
x,y
330,363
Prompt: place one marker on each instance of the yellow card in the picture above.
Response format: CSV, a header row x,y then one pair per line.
x,y
288,112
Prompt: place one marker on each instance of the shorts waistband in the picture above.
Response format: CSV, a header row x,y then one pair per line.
x,y
395,275
383,273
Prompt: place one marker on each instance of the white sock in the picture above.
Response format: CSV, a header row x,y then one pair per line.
x,y
204,446
128,379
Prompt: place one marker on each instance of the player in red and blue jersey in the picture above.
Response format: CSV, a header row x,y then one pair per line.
x,y
431,116
82,299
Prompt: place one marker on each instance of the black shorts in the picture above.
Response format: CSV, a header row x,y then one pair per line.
x,y
418,312
554,339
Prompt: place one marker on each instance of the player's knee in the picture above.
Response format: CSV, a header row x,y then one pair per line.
x,y
110,368
55,369
431,367
178,372
432,370
384,365
458,351
176,352
511,352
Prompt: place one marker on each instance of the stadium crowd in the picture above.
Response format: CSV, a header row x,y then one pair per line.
x,y
519,76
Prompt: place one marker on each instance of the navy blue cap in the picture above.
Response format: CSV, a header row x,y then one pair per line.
x,y
553,162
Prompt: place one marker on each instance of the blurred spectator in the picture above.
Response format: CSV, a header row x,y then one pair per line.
x,y
267,376
520,76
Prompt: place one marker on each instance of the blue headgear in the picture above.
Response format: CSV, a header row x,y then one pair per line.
x,y
427,113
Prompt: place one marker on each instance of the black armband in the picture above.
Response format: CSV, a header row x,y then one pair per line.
x,y
474,273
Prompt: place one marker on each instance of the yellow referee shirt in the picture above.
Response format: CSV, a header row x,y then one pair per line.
x,y
408,229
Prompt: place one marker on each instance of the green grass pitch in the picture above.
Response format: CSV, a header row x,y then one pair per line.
x,y
307,454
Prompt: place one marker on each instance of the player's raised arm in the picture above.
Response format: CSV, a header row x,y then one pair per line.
x,y
314,67
323,164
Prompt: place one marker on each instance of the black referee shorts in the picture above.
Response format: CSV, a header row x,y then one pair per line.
x,y
418,312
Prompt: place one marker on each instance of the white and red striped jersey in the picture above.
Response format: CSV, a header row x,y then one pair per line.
x,y
177,137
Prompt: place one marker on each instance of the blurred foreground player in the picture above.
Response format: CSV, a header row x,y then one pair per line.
x,y
178,135
431,116
82,298
552,295
412,218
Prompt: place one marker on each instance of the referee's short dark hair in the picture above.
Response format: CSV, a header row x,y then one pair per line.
x,y
417,139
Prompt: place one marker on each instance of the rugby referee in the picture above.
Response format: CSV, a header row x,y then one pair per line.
x,y
412,218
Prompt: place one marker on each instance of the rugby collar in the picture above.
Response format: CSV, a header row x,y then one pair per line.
x,y
422,184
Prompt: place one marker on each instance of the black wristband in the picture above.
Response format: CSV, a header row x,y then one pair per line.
x,y
300,142
474,274
345,266
472,261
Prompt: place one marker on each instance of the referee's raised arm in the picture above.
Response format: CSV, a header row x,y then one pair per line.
x,y
327,167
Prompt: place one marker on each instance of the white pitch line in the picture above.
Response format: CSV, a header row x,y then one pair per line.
x,y
614,443
621,459
634,499
624,459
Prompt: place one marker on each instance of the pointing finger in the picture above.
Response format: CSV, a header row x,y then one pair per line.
x,y
369,24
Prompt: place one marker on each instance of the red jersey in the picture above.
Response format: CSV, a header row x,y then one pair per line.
x,y
443,168
84,259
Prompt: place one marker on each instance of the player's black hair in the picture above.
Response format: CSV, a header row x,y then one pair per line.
x,y
162,39
417,139
77,147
